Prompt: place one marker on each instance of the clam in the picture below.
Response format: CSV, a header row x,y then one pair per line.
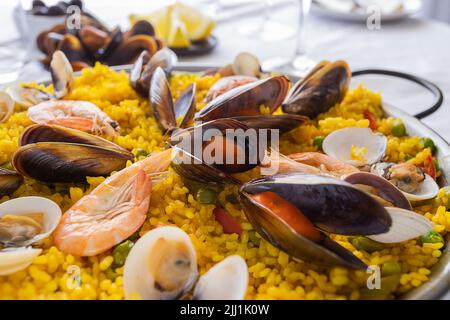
x,y
246,100
146,64
246,64
282,224
6,106
355,145
9,181
27,96
58,154
406,225
208,153
62,74
410,179
386,193
324,87
24,222
162,265
331,204
227,280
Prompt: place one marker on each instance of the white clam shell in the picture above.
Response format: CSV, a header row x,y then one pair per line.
x,y
428,189
227,280
27,205
27,96
6,106
338,145
16,259
406,225
246,64
137,277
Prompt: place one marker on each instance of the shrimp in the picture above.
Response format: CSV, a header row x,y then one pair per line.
x,y
80,115
324,163
113,211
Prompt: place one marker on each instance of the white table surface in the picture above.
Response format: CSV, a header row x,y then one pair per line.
x,y
414,46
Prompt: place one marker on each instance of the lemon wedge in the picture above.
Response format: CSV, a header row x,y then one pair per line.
x,y
178,36
179,24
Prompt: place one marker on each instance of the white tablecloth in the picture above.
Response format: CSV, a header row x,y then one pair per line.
x,y
415,46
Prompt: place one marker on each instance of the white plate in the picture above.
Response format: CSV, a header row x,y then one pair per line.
x,y
411,7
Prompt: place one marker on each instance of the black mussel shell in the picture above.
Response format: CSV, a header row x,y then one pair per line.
x,y
332,205
10,181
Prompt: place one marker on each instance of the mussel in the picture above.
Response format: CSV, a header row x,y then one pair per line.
x,y
331,204
247,100
283,122
325,86
9,181
162,104
57,154
210,152
130,49
286,227
226,84
62,74
146,64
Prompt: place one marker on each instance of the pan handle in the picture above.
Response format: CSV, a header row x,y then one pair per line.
x,y
431,87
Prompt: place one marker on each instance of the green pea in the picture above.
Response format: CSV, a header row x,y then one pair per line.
x,y
206,196
366,244
318,141
428,143
436,164
231,198
254,238
111,274
121,252
399,130
390,268
432,237
141,153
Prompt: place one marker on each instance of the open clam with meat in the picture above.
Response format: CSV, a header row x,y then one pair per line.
x,y
128,185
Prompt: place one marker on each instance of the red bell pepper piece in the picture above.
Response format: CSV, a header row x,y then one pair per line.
x,y
229,224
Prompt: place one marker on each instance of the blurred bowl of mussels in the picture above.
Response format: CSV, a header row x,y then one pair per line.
x,y
94,41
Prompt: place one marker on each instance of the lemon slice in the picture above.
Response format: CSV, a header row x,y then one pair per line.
x,y
178,36
198,25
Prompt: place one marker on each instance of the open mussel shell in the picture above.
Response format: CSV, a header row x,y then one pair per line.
x,y
185,105
246,100
406,225
6,106
52,133
275,230
140,27
162,265
67,162
93,39
130,49
62,74
332,205
230,273
382,188
146,64
51,215
27,96
216,148
10,181
325,86
338,145
161,101
284,122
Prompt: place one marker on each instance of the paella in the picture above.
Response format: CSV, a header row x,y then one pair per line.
x,y
102,196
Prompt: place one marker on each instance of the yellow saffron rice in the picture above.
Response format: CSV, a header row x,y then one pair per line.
x,y
273,274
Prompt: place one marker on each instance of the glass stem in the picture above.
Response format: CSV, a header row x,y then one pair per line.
x,y
301,32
